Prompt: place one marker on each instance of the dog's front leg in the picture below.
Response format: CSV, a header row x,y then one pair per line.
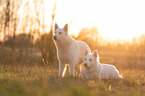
x,y
72,69
61,68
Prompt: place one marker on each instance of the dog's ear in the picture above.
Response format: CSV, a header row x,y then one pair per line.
x,y
56,26
86,53
95,53
66,28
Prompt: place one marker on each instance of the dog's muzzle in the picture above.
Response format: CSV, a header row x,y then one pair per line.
x,y
54,37
85,65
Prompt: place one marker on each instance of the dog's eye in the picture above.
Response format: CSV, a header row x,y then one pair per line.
x,y
90,59
60,33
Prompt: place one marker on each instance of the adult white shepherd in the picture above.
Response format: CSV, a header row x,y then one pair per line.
x,y
69,51
93,69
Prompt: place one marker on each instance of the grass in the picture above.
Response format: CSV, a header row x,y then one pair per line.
x,y
43,81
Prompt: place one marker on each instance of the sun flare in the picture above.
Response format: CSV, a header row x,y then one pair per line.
x,y
114,19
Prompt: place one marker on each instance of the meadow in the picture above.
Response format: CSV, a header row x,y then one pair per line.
x,y
38,80
25,75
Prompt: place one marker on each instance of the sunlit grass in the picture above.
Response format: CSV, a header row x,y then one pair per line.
x,y
43,81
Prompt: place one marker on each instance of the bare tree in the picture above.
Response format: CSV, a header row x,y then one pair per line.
x,y
15,5
9,18
46,44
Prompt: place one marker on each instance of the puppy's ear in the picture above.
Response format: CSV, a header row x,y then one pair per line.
x,y
56,26
66,28
95,53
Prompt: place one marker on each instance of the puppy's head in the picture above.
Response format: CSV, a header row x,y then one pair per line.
x,y
60,33
90,60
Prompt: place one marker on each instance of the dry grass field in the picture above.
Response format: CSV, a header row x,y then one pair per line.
x,y
44,81
34,79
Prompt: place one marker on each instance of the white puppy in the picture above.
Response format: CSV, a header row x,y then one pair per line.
x,y
69,51
93,69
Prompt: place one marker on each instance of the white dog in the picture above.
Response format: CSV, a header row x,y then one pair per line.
x,y
69,51
93,69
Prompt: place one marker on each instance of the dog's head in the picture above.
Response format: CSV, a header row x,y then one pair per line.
x,y
60,33
90,60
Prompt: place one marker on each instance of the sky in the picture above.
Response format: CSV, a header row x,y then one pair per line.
x,y
114,19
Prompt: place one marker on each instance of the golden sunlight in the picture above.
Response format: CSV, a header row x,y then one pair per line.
x,y
114,19
37,57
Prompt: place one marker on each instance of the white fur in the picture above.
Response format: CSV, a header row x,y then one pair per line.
x,y
69,51
93,69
